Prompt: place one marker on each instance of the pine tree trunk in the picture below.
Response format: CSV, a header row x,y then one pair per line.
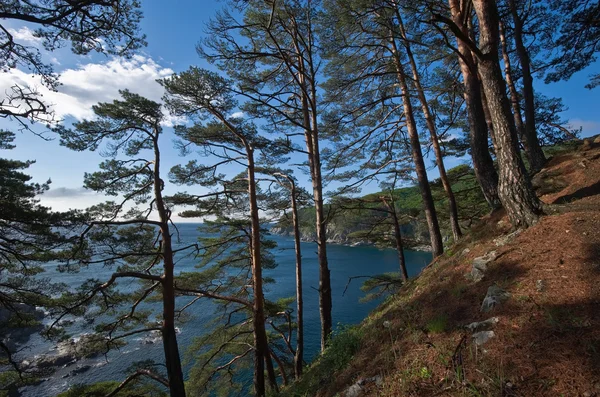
x,y
483,165
437,247
535,155
299,354
514,95
169,335
515,190
454,225
261,344
397,236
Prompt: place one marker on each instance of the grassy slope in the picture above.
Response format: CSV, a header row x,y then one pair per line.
x,y
547,341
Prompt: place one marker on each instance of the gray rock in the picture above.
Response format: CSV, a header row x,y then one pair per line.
x,y
53,361
495,297
483,325
466,251
354,390
500,241
479,265
480,338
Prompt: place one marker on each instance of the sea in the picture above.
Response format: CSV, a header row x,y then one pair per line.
x,y
344,262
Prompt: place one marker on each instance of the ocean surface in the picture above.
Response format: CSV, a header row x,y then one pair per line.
x,y
344,262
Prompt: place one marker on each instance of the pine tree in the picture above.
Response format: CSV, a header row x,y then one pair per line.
x,y
127,237
272,55
201,95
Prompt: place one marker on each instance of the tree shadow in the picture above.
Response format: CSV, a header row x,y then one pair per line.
x,y
587,191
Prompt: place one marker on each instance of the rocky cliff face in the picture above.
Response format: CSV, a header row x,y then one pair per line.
x,y
414,236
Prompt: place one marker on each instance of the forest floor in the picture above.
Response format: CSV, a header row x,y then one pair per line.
x,y
544,335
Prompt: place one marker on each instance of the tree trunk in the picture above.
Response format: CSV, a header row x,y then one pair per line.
x,y
516,193
456,232
535,155
397,236
483,165
514,95
437,246
299,354
311,136
261,344
169,335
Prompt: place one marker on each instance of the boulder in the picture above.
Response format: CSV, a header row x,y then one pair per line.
x,y
483,325
495,297
53,361
354,391
480,338
479,266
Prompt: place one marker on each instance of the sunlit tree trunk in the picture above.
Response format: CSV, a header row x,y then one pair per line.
x,y
261,344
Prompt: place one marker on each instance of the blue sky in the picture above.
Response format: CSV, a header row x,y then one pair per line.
x,y
172,31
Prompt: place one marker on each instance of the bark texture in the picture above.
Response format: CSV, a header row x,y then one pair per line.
x,y
515,190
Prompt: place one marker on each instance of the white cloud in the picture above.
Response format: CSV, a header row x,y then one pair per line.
x,y
88,84
25,34
589,127
238,115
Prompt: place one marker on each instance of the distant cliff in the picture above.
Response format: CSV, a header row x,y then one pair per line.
x,y
362,221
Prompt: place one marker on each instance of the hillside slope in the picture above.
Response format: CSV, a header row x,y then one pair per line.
x,y
539,337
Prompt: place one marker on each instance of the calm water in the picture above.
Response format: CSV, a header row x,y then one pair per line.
x,y
344,263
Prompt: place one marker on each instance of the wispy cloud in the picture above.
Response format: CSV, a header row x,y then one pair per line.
x,y
86,85
67,192
25,34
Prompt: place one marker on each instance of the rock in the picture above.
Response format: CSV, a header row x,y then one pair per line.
x,y
49,361
482,337
354,390
503,240
483,325
539,285
495,297
597,140
480,265
466,251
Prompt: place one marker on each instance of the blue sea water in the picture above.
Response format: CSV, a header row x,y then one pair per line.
x,y
344,262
